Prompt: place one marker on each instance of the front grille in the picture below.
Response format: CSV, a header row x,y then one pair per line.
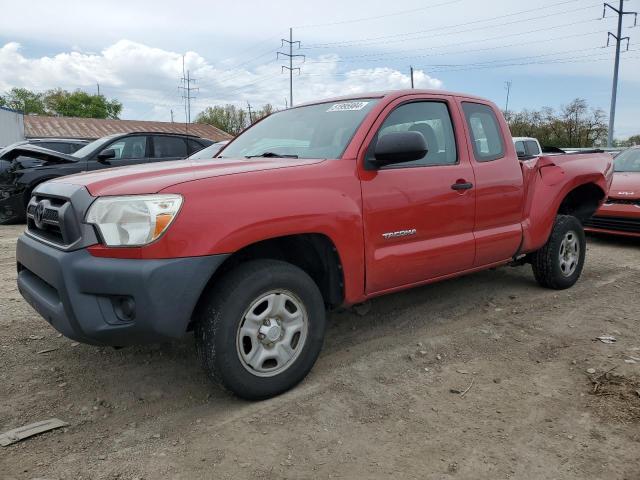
x,y
631,225
51,219
622,201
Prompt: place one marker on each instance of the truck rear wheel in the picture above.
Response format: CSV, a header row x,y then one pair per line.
x,y
558,264
261,328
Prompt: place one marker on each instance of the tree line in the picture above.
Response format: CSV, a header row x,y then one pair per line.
x,y
575,124
61,103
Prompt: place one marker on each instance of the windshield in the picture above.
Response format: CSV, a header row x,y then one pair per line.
x,y
209,152
628,161
92,147
315,131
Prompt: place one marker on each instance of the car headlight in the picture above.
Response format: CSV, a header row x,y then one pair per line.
x,y
133,220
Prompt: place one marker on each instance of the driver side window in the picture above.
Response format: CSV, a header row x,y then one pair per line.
x,y
432,120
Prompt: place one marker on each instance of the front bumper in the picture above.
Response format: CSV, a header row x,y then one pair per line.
x,y
82,296
616,219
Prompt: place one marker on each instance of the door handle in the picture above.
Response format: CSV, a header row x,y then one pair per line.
x,y
462,186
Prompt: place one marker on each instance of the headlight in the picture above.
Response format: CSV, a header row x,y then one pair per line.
x,y
133,220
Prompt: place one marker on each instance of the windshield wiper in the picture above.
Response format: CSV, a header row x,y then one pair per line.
x,y
271,155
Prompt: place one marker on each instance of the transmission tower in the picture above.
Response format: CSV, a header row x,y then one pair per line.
x,y
291,68
619,39
186,92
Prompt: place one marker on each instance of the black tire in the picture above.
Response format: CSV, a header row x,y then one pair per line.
x,y
222,312
546,262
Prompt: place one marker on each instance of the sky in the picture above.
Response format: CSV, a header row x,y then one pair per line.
x,y
551,51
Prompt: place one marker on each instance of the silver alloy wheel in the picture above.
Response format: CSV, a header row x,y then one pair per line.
x,y
272,333
569,253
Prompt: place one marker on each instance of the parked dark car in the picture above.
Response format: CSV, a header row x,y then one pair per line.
x,y
62,145
24,167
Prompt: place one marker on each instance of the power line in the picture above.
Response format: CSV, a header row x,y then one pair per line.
x,y
386,38
616,64
377,17
291,56
480,66
366,56
230,75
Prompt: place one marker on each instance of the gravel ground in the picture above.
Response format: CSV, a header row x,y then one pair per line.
x,y
381,400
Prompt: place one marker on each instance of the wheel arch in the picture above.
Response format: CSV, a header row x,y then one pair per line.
x,y
582,201
314,253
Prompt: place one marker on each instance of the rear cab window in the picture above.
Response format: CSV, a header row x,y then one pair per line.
x,y
485,132
169,147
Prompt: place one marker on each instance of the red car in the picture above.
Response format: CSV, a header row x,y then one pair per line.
x,y
319,206
620,213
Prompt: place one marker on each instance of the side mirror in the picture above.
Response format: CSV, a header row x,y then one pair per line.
x,y
106,154
399,147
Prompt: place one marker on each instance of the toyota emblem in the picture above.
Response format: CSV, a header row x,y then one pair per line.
x,y
38,215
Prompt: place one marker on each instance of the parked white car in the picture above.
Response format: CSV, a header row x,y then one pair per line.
x,y
527,146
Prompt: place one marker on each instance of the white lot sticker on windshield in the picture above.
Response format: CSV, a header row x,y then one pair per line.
x,y
347,106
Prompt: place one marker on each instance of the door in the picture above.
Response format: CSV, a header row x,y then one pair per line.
x,y
128,151
499,185
166,148
419,215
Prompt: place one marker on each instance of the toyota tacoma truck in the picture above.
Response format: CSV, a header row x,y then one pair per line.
x,y
317,207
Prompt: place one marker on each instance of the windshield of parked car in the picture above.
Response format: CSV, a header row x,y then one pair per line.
x,y
628,161
314,131
94,146
209,152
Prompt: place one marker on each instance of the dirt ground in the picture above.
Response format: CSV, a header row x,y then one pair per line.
x,y
384,398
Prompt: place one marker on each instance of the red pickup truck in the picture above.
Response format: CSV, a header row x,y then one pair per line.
x,y
320,206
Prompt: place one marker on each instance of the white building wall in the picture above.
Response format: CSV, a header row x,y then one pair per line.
x,y
11,126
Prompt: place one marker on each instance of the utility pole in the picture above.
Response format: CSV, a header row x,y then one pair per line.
x,y
250,116
186,94
98,85
616,65
411,69
172,115
291,68
507,85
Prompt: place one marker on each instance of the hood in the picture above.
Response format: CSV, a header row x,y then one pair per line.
x,y
26,157
38,153
153,177
625,186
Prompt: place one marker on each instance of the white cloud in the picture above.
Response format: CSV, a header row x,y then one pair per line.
x,y
146,78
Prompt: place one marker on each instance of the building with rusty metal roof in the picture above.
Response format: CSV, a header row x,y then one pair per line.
x,y
37,126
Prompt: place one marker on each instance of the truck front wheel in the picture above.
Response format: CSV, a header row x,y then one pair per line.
x,y
260,330
558,264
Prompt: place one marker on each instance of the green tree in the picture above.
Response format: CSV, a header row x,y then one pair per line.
x,y
632,141
265,111
24,100
61,103
227,118
230,118
81,104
